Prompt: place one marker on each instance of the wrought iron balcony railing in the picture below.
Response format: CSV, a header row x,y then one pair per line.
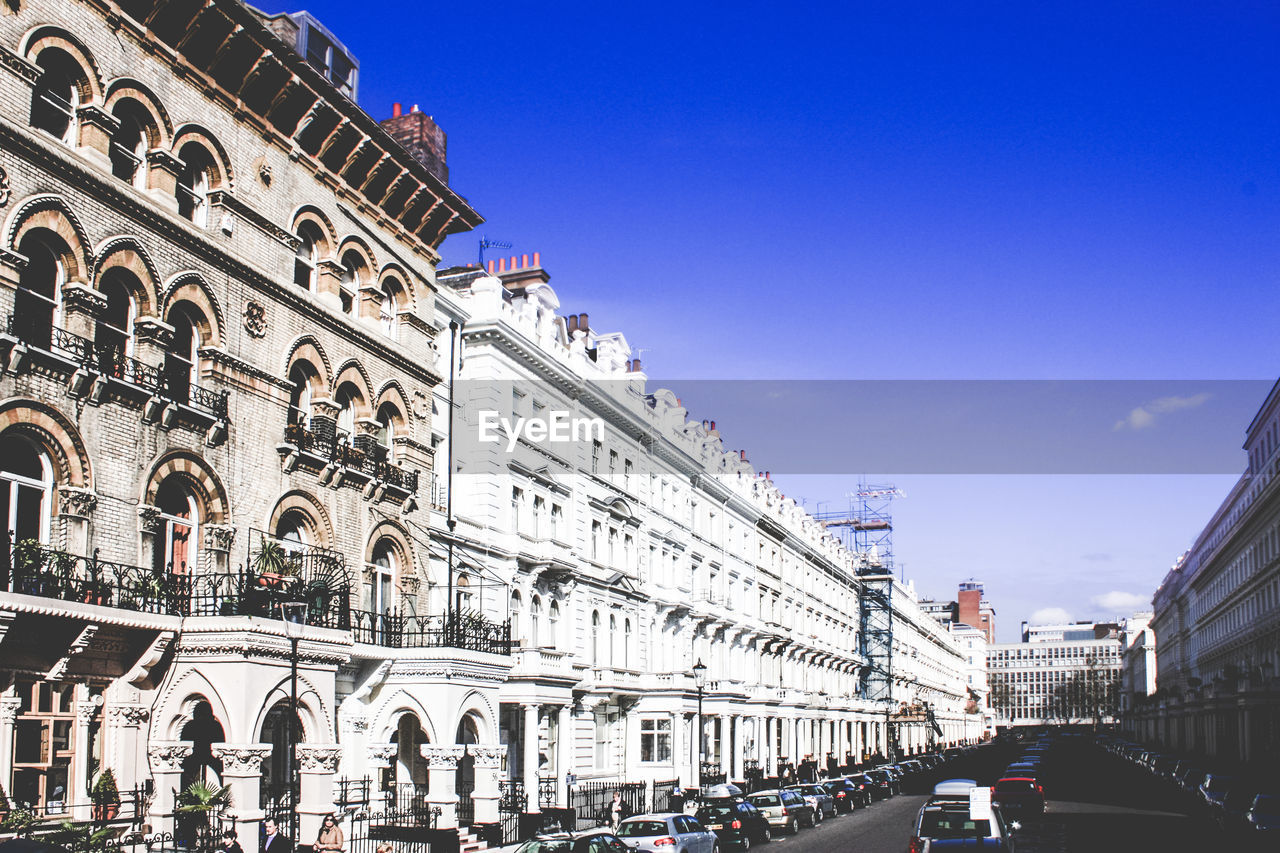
x,y
461,631
339,450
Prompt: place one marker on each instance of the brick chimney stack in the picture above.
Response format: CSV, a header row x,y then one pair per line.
x,y
421,137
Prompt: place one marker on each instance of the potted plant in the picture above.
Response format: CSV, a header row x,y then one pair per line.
x,y
106,797
273,564
18,821
82,838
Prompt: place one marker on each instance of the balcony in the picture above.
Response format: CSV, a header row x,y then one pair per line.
x,y
37,570
471,632
532,663
98,363
338,451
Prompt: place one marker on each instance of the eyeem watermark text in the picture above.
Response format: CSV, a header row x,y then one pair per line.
x,y
556,428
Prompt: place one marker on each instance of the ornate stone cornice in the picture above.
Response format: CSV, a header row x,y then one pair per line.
x,y
237,642
238,365
149,518
227,201
167,756
162,159
9,707
76,501
219,537
77,296
442,757
318,758
487,756
8,258
95,115
28,71
242,759
154,331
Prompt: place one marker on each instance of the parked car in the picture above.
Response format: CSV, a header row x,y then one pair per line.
x,y
849,792
1019,796
737,823
786,810
1264,815
1213,789
1235,805
591,841
824,805
945,824
883,784
667,833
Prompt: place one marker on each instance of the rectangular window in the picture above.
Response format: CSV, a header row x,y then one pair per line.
x,y
557,521
626,474
655,739
539,517
602,740
596,448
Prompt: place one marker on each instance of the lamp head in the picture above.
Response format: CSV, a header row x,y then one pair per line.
x,y
294,615
699,673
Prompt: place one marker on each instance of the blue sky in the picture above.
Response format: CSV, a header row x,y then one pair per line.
x,y
887,191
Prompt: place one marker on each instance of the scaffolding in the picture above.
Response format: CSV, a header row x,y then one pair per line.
x,y
867,531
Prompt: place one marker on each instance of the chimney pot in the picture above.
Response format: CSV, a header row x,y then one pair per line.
x,y
492,267
524,262
513,263
537,259
742,454
502,264
396,110
582,323
571,323
713,426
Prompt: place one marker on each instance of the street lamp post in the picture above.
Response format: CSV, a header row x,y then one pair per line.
x,y
294,614
699,678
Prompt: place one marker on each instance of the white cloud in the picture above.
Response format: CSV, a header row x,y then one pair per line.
x,y
1122,602
1145,415
1050,616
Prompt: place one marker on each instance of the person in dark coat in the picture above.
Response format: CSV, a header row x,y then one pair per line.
x,y
273,841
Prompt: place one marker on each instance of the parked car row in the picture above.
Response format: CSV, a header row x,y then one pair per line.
x,y
1237,804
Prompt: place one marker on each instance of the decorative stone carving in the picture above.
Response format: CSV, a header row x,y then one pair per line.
x,y
153,331
442,757
382,754
318,758
242,759
9,707
487,756
255,318
358,724
4,187
129,715
219,537
82,298
85,712
421,405
77,502
149,518
167,756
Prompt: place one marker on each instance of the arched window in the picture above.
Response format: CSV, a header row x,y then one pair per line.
x,y
553,617
387,414
347,398
378,589
294,531
130,142
351,280
175,545
535,620
390,307
26,493
194,183
595,637
462,596
56,95
304,260
37,304
182,357
114,334
300,395
613,637
626,644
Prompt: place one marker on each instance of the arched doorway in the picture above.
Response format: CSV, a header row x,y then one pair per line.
x,y
203,731
407,778
465,780
274,794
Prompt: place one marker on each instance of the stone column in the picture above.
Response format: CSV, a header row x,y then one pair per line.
x,y
96,127
163,170
317,764
736,746
149,525
564,753
487,764
442,771
379,757
165,759
242,773
78,785
76,506
218,539
123,749
329,283
769,760
529,756
9,705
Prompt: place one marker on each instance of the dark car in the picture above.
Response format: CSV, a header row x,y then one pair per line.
x,y
856,788
1019,796
1213,789
1237,802
882,784
737,824
1264,815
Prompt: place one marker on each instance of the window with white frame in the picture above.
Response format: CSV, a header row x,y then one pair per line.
x,y
655,739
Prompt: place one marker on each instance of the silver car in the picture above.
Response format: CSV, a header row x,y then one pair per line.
x,y
667,833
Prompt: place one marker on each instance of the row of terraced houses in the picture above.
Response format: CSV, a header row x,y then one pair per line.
x,y
258,533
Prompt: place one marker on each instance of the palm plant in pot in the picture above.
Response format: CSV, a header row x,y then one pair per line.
x,y
273,563
106,797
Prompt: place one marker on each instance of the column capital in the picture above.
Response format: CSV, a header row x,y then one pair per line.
x,y
318,757
168,755
219,537
442,757
382,754
128,715
77,502
489,756
9,707
242,759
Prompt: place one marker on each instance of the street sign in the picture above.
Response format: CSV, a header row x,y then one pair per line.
x,y
979,803
570,779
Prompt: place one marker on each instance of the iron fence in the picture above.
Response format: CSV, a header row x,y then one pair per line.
x,y
512,803
591,801
338,447
466,805
665,795
403,818
546,791
461,631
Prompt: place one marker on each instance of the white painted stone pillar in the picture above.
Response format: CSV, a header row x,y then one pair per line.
x,y
317,765
487,763
165,759
124,744
242,773
379,757
564,754
78,785
529,761
9,705
442,773
736,746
